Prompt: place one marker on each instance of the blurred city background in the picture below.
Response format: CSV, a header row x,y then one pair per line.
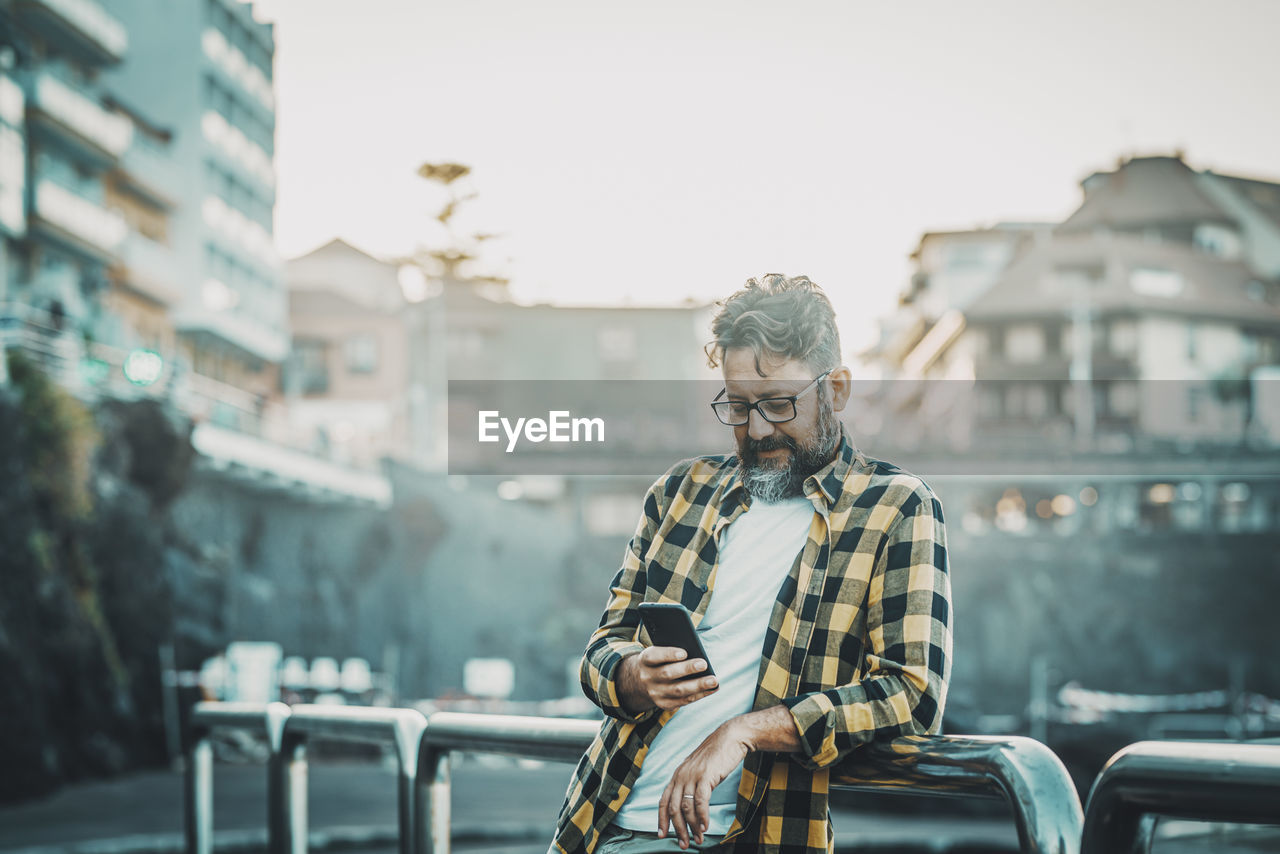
x,y
1052,238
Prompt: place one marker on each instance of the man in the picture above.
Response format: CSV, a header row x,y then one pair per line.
x,y
817,578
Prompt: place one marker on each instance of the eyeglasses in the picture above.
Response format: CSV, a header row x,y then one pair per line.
x,y
775,410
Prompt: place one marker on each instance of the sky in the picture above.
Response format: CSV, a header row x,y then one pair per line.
x,y
650,152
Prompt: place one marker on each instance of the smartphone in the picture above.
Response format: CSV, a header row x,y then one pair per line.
x,y
672,625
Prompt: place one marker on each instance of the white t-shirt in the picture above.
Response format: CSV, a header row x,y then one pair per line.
x,y
756,553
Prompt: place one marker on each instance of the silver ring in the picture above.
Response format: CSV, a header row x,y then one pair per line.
x,y
690,797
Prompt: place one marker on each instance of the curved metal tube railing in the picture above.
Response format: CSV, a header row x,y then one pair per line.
x,y
1207,781
1022,771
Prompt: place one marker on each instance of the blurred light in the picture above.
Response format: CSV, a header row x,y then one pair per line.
x,y
1011,503
1235,492
1063,505
1011,522
325,675
1190,491
1088,496
357,677
143,367
1044,508
413,282
217,296
510,490
93,370
294,673
1160,493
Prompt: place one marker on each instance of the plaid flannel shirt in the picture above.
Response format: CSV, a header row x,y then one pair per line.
x,y
858,645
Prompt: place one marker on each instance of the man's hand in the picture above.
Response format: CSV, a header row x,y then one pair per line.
x,y
686,802
655,677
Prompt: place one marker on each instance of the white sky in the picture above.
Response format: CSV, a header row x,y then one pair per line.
x,y
660,150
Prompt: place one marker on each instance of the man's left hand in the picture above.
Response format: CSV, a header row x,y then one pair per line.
x,y
686,801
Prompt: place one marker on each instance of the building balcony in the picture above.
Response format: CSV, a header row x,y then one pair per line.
x,y
81,26
267,464
237,149
236,66
149,268
152,172
72,219
46,341
219,319
1104,365
79,119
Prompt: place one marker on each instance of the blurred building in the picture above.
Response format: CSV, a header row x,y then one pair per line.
x,y
470,330
1149,314
347,381
1089,401
60,141
952,269
203,71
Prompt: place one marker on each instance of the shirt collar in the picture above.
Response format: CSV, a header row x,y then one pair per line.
x,y
828,480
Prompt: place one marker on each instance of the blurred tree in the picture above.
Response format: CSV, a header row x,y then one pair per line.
x,y
449,260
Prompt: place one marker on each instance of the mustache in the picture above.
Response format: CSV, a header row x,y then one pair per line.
x,y
772,443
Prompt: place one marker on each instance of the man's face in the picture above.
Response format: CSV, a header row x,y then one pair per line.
x,y
777,457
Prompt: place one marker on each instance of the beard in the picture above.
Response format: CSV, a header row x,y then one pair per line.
x,y
771,481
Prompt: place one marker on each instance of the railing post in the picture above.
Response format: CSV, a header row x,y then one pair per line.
x,y
267,720
277,790
289,804
402,728
433,800
408,743
198,796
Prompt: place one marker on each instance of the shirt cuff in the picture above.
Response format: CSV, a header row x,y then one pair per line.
x,y
607,683
815,719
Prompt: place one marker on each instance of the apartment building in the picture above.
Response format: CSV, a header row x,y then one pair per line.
x,y
60,142
203,72
347,382
1152,313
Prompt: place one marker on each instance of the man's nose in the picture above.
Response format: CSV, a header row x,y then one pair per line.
x,y
757,426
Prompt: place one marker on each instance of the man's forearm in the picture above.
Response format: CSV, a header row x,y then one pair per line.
x,y
767,729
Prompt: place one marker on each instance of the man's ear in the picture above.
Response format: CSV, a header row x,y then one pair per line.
x,y
841,380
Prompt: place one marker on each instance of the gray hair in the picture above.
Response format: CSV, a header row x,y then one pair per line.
x,y
780,317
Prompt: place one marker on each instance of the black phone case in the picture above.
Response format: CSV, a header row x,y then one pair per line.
x,y
672,625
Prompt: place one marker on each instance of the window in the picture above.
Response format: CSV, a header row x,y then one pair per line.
x,y
1122,399
1024,343
310,363
1215,239
1122,337
1155,283
1195,403
965,258
617,344
1026,400
362,354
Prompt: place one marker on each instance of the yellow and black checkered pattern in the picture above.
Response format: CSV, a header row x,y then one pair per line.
x,y
858,646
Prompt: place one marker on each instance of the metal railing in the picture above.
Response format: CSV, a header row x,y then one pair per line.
x,y
267,721
1022,771
1206,781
